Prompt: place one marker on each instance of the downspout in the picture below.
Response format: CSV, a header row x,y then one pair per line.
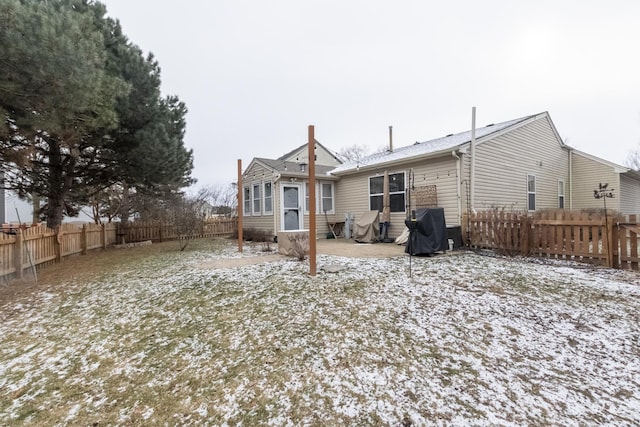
x,y
472,177
458,176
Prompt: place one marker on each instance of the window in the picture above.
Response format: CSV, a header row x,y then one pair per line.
x,y
268,198
561,194
306,197
256,199
396,192
531,192
324,195
246,200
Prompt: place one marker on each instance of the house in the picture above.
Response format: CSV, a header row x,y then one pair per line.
x,y
275,191
589,171
521,164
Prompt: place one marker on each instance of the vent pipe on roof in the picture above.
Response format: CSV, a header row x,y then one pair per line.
x,y
472,177
390,138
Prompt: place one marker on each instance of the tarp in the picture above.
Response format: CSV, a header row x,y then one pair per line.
x,y
428,234
367,227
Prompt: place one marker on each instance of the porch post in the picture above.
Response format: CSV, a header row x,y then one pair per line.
x,y
240,208
312,201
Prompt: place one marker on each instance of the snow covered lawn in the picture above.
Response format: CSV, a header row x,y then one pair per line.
x,y
468,340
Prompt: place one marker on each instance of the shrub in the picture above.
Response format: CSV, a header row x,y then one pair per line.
x,y
299,245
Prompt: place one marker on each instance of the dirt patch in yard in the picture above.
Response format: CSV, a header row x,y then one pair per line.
x,y
337,247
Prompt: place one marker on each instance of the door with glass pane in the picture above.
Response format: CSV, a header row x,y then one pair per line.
x,y
291,207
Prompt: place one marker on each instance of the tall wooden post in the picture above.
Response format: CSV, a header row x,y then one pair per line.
x,y
311,149
240,208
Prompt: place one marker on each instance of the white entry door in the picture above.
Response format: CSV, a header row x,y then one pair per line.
x,y
292,207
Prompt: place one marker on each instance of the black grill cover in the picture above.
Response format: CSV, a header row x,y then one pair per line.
x,y
428,233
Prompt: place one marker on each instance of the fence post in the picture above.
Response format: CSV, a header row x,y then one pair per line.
x,y
161,227
103,236
83,239
17,254
615,240
610,250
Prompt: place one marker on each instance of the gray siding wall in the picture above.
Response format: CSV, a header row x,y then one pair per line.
x,y
443,173
503,163
629,195
353,191
352,195
587,175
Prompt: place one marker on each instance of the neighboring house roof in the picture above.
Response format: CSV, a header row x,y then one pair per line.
x,y
435,146
616,168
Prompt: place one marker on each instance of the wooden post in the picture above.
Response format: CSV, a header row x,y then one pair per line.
x,y
83,239
610,250
103,236
17,254
240,206
615,253
311,149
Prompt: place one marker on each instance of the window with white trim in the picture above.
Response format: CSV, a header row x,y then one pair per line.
x,y
396,192
256,199
560,194
268,198
531,192
324,197
246,200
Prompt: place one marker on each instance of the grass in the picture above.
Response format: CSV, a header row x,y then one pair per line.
x,y
144,336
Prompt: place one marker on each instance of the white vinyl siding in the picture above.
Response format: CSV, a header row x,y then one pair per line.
x,y
629,195
587,175
503,162
531,192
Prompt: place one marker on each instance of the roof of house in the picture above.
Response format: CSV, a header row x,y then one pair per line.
x,y
302,147
290,168
446,143
616,167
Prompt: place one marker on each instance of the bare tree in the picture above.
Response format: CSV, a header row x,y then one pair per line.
x,y
633,158
353,153
221,198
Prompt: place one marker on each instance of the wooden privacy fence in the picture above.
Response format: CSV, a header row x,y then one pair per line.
x,y
564,234
25,248
159,231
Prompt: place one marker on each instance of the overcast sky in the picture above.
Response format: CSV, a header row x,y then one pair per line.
x,y
255,74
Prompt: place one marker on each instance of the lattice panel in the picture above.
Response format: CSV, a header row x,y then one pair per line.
x,y
424,197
